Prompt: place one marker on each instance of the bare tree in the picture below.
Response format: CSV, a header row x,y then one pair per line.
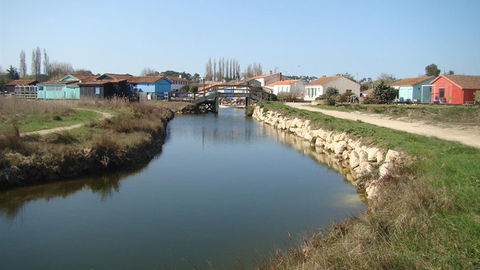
x,y
215,70
208,70
46,64
23,64
59,69
149,72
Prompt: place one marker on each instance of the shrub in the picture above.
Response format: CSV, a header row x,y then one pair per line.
x,y
63,138
477,97
370,100
384,93
10,139
344,97
331,95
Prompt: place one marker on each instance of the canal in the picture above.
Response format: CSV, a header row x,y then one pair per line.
x,y
226,192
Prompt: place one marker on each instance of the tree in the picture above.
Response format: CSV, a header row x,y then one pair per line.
x,y
451,72
36,62
59,69
432,70
12,73
384,93
348,76
149,72
193,89
23,64
196,77
84,72
386,78
46,64
185,89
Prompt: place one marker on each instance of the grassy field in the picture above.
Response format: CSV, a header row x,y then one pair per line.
x,y
428,218
463,115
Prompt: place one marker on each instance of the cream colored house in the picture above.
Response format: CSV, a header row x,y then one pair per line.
x,y
319,86
288,86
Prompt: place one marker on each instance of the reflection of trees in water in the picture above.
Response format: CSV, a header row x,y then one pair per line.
x,y
105,185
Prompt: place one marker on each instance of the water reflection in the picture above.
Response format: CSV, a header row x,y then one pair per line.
x,y
14,200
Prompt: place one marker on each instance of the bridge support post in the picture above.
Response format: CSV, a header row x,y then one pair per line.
x,y
247,101
216,105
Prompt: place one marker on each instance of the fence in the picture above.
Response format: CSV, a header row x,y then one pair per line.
x,y
26,91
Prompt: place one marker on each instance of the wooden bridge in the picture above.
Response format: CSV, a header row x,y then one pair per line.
x,y
208,98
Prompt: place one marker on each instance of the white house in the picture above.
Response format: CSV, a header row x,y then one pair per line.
x,y
289,86
319,86
177,83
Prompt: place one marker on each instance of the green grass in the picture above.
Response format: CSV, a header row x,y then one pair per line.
x,y
33,122
467,115
429,216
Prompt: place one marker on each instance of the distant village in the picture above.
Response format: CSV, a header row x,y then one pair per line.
x,y
441,89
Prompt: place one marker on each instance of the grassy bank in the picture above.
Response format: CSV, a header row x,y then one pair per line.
x,y
134,134
428,218
462,115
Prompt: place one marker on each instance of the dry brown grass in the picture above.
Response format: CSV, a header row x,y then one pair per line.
x,y
12,105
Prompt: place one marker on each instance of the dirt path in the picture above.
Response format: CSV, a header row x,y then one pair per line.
x,y
42,132
466,135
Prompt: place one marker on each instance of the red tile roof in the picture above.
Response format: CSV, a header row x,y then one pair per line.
x,y
286,82
323,80
145,79
464,81
21,82
118,77
263,76
411,81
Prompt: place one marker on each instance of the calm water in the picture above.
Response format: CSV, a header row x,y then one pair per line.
x,y
225,191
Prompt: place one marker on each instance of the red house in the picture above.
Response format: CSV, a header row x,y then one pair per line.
x,y
455,89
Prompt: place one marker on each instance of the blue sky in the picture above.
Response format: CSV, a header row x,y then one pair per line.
x,y
364,38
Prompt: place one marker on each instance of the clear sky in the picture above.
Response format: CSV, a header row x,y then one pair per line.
x,y
364,38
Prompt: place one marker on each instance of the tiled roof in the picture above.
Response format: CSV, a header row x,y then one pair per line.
x,y
323,80
118,77
263,76
287,82
464,81
411,81
145,79
21,82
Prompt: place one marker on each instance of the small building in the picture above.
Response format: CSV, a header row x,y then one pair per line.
x,y
319,86
105,86
288,86
151,87
414,89
455,89
23,88
65,88
177,84
267,79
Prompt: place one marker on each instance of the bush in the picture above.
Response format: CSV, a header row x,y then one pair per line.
x,y
477,97
331,95
345,97
370,100
286,97
61,138
384,93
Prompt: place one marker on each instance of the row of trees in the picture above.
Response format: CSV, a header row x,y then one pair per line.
x,y
222,69
151,72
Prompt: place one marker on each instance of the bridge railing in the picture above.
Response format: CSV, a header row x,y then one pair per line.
x,y
226,90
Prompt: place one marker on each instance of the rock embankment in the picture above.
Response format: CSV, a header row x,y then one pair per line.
x,y
364,165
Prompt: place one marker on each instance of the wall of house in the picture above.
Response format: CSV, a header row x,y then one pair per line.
x,y
281,89
272,78
470,95
405,93
313,91
163,85
343,84
453,93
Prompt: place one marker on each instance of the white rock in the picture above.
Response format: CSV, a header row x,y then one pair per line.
x,y
372,154
340,147
362,156
392,156
354,162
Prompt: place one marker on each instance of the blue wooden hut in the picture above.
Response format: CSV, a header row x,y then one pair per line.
x,y
153,87
414,89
